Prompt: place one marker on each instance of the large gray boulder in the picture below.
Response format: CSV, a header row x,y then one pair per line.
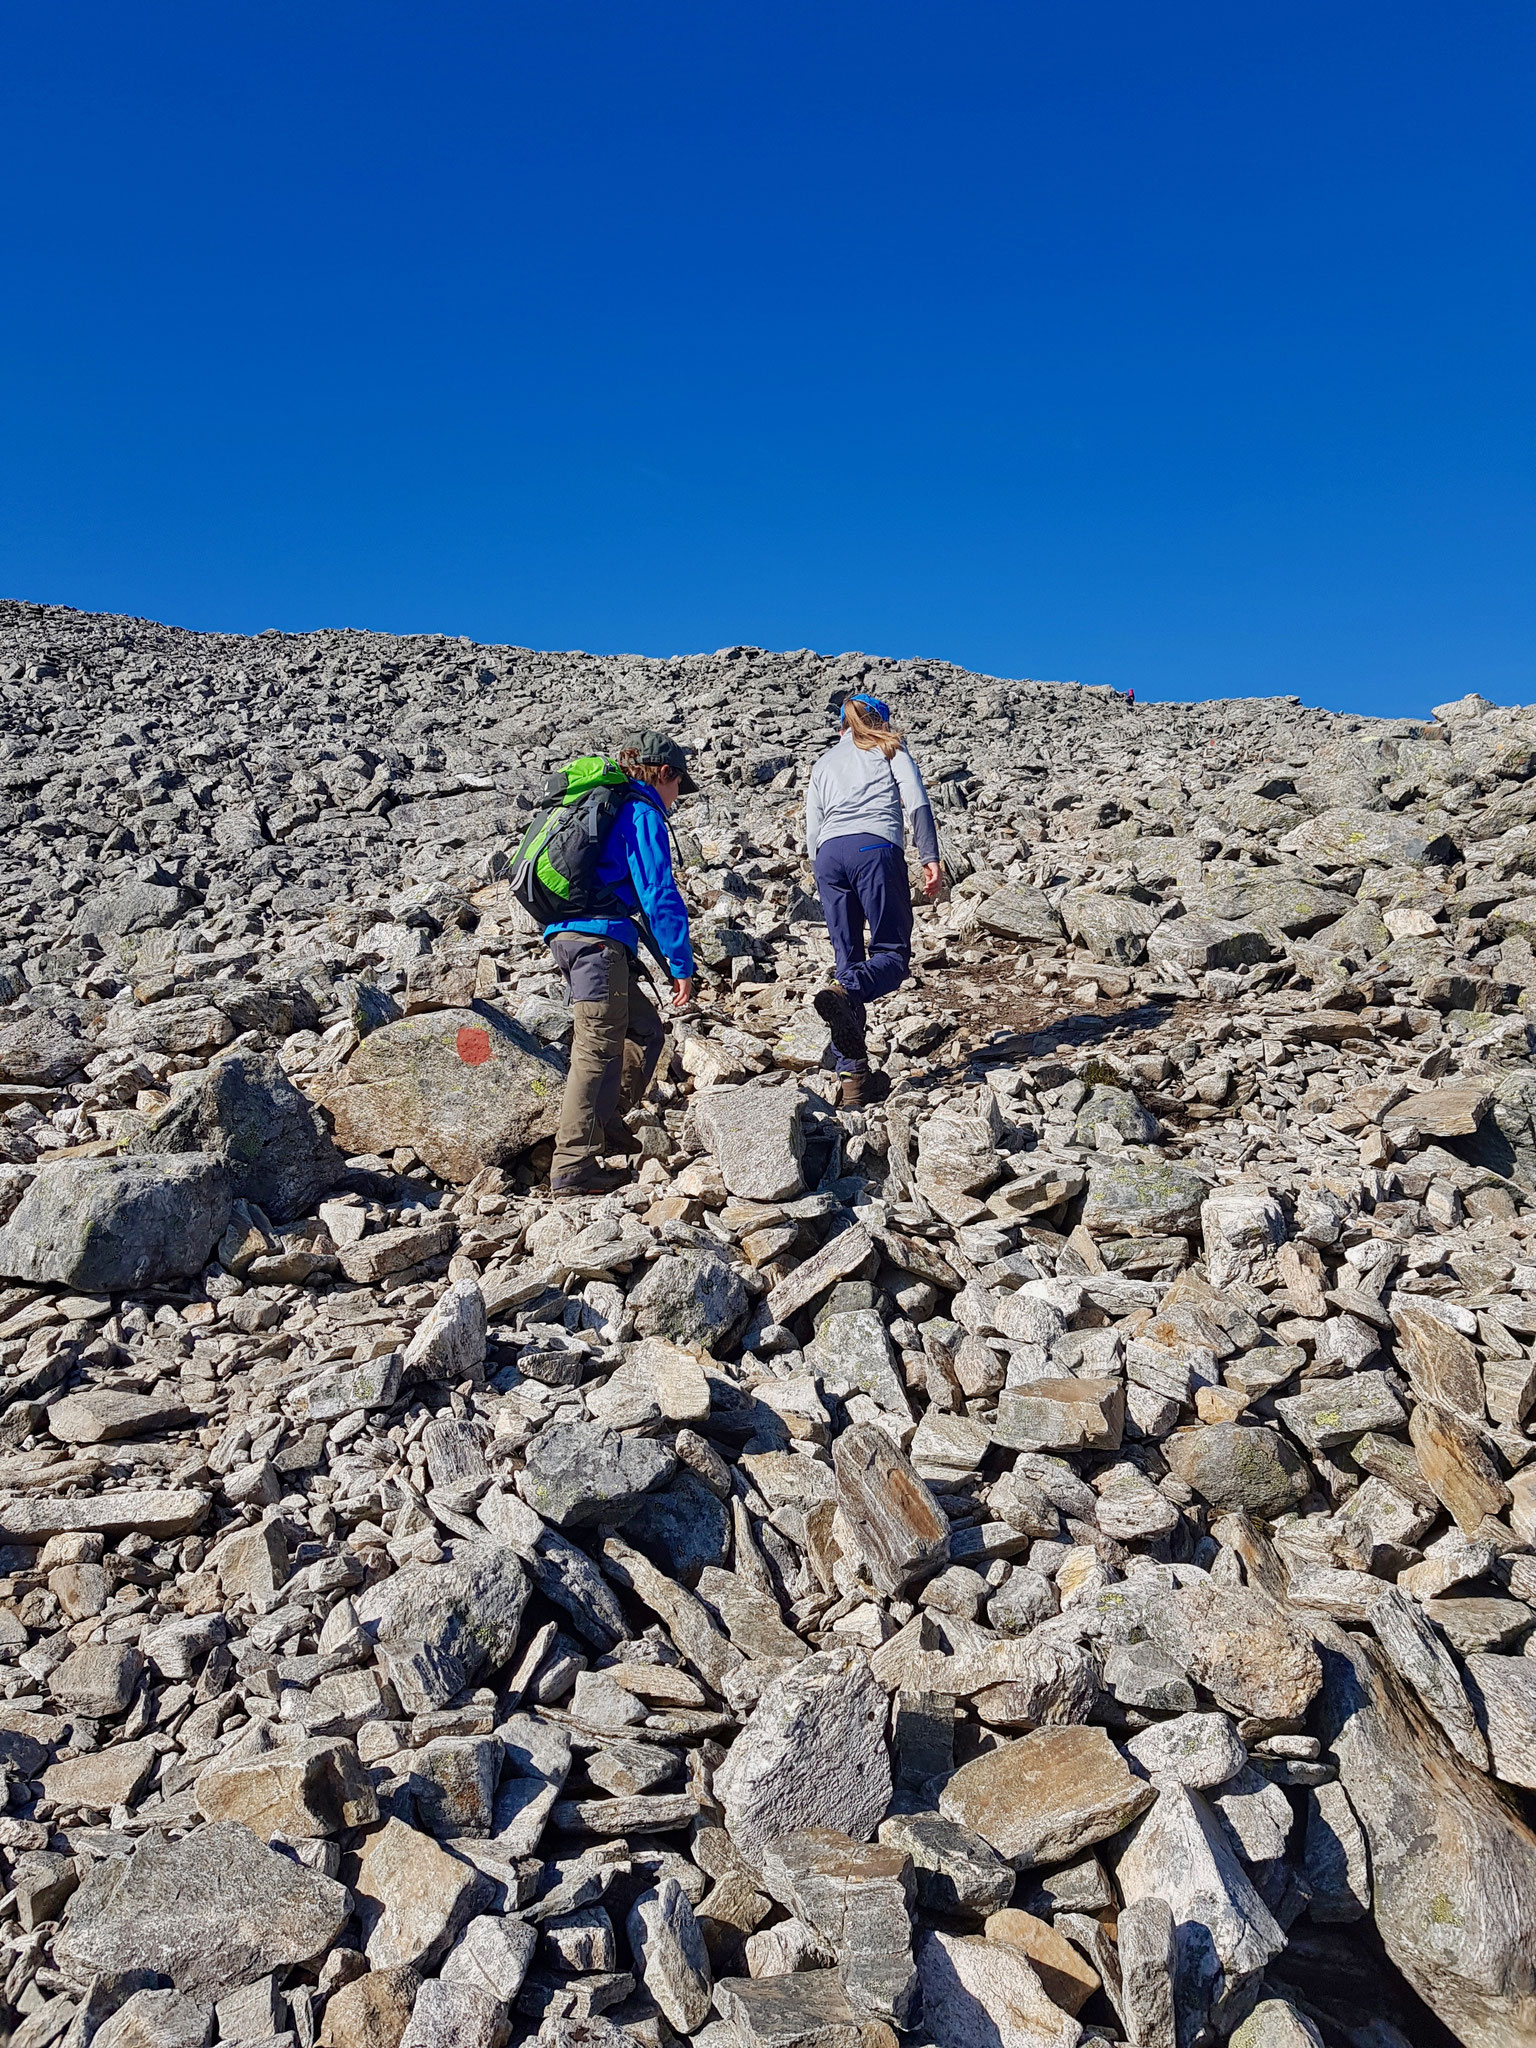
x,y
273,1142
1019,912
1453,1865
1113,928
1236,1465
754,1137
212,1911
1138,1194
812,1754
693,1297
1248,1651
1281,906
580,1473
463,1089
40,1049
112,1225
439,1626
1349,836
683,1528
1197,943
137,906
1120,1110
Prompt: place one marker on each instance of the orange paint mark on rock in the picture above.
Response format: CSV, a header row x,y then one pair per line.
x,y
473,1045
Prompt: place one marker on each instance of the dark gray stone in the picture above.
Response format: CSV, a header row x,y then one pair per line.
x,y
682,1528
40,1048
581,1473
110,1225
439,1626
693,1297
246,1112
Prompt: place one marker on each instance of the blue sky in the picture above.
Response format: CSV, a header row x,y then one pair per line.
x,y
1187,347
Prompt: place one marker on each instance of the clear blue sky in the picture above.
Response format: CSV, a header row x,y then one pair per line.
x,y
1188,346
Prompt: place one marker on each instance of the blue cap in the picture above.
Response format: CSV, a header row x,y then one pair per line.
x,y
876,704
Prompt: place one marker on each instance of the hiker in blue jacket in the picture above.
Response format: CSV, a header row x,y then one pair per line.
x,y
617,1036
863,792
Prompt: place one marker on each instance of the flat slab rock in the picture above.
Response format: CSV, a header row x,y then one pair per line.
x,y
104,1778
1134,1196
413,1896
1504,1696
156,1511
893,1521
754,1138
98,1415
986,1994
838,1257
806,2009
1048,1796
1019,912
214,1910
1224,1932
41,1048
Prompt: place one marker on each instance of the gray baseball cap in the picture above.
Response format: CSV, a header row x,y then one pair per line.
x,y
657,751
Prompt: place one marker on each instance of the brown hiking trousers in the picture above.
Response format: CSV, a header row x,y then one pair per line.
x,y
615,1044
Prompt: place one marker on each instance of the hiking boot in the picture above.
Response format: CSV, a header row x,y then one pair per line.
x,y
620,1142
835,1007
592,1180
861,1090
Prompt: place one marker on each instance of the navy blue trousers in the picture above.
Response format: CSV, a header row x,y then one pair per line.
x,y
863,888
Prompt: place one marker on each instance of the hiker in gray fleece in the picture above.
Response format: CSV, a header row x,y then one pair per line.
x,y
862,793
857,791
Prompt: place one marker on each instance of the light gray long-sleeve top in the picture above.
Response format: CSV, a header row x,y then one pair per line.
x,y
855,789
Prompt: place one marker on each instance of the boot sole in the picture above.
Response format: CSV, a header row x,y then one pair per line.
x,y
836,1012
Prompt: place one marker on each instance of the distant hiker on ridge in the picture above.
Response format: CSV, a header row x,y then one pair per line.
x,y
862,792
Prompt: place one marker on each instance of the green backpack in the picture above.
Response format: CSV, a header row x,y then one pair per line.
x,y
554,871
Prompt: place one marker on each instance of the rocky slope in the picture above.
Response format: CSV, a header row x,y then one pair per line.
x,y
1045,1561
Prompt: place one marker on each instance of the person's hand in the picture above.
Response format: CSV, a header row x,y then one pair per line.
x,y
933,878
682,992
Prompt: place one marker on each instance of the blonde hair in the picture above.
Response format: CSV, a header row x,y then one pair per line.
x,y
871,731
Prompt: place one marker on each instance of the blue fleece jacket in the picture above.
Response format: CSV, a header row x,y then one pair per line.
x,y
636,865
